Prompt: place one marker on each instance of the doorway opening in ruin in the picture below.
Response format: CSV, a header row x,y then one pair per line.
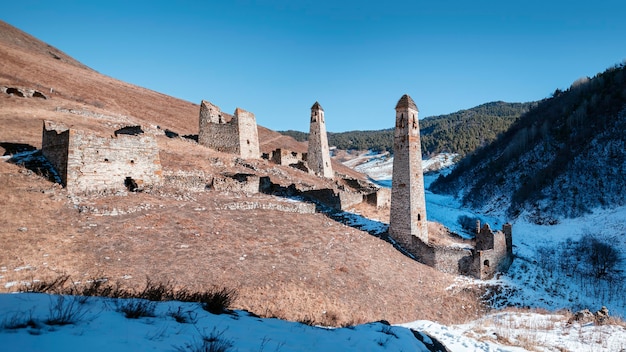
x,y
131,184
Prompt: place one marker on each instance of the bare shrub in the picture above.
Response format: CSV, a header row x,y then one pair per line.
x,y
214,342
19,320
66,310
218,300
136,308
183,316
57,285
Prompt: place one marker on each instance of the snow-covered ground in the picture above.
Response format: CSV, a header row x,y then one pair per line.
x,y
523,331
528,283
97,324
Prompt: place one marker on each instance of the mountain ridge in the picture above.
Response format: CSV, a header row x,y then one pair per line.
x,y
459,132
564,157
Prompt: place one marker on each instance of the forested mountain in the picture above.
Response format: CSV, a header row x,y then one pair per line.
x,y
460,132
562,158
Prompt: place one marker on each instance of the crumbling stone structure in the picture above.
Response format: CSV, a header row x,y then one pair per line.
x,y
86,162
236,135
287,157
493,250
22,92
236,182
490,253
381,198
318,156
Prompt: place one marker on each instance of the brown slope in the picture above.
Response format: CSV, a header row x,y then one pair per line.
x,y
290,265
29,62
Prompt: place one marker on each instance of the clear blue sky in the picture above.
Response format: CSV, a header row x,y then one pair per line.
x,y
357,58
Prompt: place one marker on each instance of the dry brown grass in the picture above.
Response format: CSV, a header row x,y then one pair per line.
x,y
295,266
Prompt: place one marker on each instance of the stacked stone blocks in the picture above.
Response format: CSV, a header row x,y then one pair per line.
x,y
88,162
238,135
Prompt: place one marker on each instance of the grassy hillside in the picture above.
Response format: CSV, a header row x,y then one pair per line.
x,y
460,132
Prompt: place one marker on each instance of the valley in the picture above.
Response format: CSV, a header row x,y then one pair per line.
x,y
286,256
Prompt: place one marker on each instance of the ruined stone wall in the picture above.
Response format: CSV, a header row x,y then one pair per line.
x,y
318,156
248,134
238,135
245,183
381,198
349,199
215,132
408,203
452,260
287,207
286,157
194,181
98,164
494,260
484,238
95,163
55,143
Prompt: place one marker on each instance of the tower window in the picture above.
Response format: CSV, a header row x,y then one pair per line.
x,y
419,217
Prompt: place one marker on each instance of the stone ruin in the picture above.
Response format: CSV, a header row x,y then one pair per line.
x,y
490,253
23,92
86,162
285,157
317,159
236,134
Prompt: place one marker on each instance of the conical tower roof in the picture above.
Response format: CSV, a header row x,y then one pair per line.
x,y
316,106
406,102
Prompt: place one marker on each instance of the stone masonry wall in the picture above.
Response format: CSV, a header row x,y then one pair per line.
x,y
381,198
55,142
95,163
215,132
238,135
494,260
248,134
287,157
349,199
245,183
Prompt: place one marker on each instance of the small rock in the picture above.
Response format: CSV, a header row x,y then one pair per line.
x,y
601,316
22,229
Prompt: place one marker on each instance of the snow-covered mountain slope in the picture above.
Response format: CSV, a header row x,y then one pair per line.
x,y
379,167
541,275
563,158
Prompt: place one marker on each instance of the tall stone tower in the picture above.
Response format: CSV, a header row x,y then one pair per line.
x,y
408,204
318,156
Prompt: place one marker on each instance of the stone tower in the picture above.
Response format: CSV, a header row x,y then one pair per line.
x,y
248,134
408,204
237,135
318,157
